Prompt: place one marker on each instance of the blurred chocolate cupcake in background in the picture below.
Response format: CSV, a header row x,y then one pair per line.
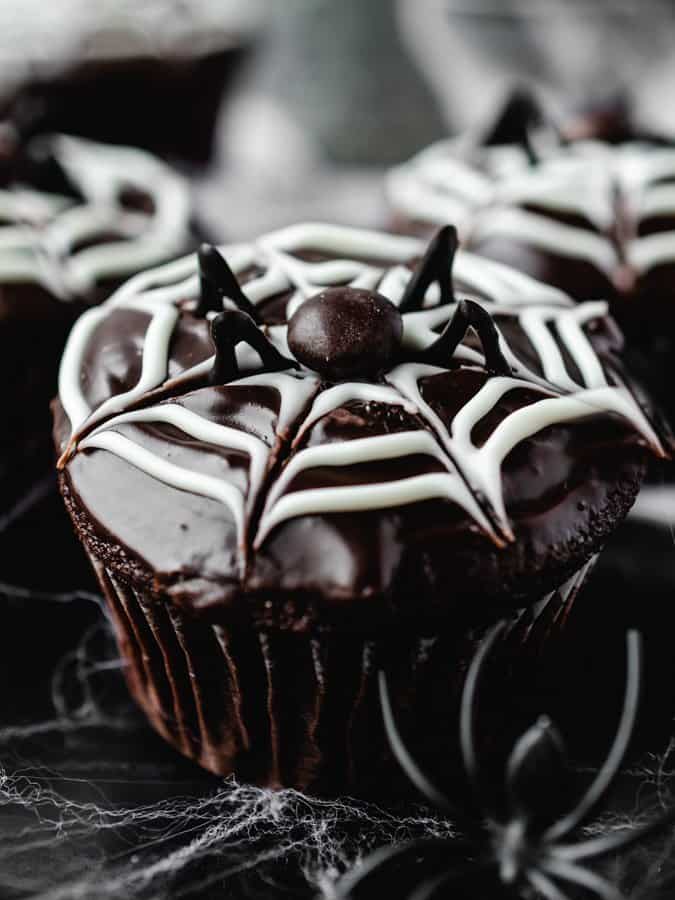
x,y
76,219
587,207
151,74
608,116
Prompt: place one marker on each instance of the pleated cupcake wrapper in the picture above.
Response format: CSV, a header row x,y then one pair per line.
x,y
284,709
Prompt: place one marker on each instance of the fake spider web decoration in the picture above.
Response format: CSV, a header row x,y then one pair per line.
x,y
94,805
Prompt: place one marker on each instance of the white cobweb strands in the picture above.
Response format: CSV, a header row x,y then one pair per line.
x,y
94,806
189,846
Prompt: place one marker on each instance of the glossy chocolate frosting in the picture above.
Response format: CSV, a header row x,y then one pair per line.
x,y
289,495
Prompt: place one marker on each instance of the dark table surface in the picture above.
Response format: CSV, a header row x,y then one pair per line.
x,y
94,804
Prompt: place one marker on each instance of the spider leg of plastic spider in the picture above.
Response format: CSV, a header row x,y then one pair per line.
x,y
403,755
581,877
468,705
545,886
380,857
430,886
603,780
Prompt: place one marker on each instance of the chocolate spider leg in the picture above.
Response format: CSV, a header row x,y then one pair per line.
x,y
545,886
228,329
430,886
528,147
467,711
468,314
513,126
402,754
380,857
597,848
210,298
577,875
436,266
217,280
603,780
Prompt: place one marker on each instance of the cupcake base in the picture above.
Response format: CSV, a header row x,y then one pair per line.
x,y
287,709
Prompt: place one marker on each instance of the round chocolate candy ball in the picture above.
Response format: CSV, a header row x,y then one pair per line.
x,y
345,332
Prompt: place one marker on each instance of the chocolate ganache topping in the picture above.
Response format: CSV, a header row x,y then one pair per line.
x,y
75,215
489,441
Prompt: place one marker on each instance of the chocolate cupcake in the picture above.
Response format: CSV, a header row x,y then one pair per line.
x,y
593,217
76,219
453,179
149,75
320,454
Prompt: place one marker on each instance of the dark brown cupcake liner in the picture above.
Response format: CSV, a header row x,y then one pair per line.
x,y
281,708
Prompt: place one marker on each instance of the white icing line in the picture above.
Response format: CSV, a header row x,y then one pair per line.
x,y
168,283
421,199
569,329
658,200
433,486
170,474
344,241
435,186
203,430
295,393
652,250
358,450
154,366
567,185
546,234
505,285
405,378
527,421
70,371
341,394
482,469
535,327
294,396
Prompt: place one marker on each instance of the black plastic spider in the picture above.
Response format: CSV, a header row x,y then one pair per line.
x,y
526,851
